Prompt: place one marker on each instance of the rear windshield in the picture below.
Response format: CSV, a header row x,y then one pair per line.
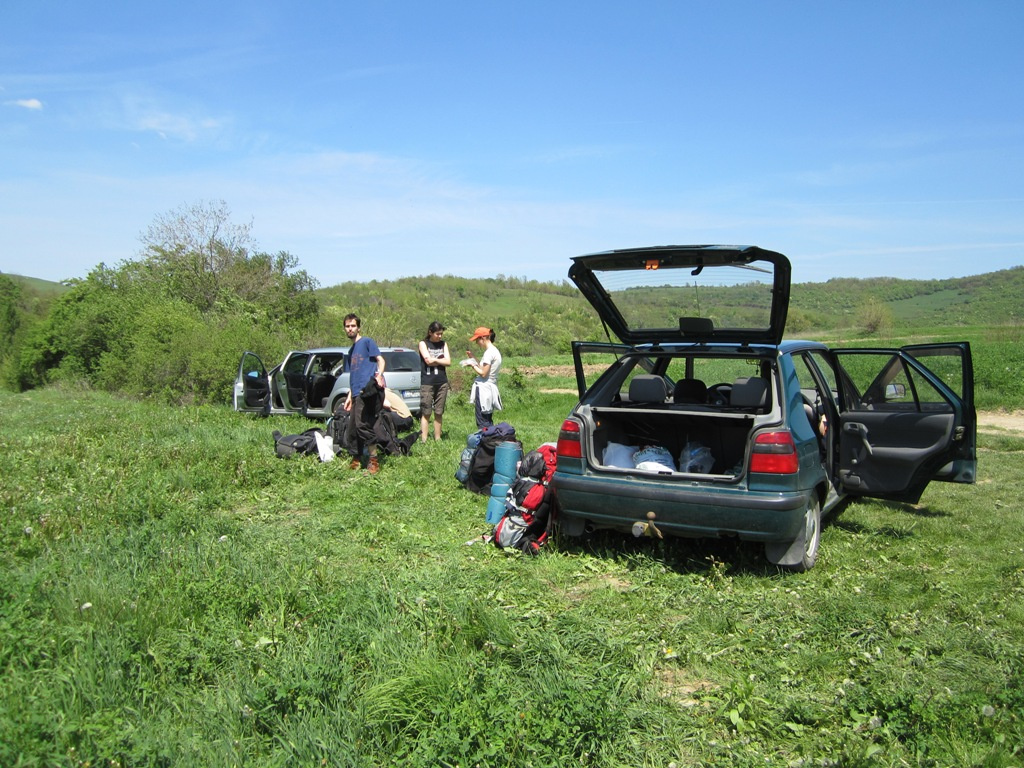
x,y
402,360
728,296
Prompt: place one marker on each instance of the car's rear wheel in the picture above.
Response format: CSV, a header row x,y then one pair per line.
x,y
801,554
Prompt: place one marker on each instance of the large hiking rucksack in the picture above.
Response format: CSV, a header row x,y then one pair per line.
x,y
481,470
387,436
466,459
527,505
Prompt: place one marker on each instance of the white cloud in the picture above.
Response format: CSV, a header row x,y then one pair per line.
x,y
145,112
165,125
27,103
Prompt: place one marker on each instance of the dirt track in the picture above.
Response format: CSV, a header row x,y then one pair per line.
x,y
999,422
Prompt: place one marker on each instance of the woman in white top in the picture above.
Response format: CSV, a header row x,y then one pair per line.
x,y
484,395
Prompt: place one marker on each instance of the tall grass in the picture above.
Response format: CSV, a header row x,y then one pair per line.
x,y
171,593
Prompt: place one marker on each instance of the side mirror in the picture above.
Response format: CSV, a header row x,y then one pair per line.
x,y
895,391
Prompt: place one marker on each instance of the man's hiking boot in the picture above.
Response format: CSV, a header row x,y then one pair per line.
x,y
374,465
355,464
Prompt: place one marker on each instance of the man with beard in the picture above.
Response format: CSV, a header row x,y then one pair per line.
x,y
365,395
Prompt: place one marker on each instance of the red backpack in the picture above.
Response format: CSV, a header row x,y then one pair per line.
x,y
527,503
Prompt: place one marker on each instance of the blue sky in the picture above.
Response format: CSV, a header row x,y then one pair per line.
x,y
380,139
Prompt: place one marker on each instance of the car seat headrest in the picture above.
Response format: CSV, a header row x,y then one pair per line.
x,y
690,391
648,388
749,392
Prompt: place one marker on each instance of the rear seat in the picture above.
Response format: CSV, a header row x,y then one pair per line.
x,y
749,393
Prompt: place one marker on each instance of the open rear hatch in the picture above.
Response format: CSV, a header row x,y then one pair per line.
x,y
688,293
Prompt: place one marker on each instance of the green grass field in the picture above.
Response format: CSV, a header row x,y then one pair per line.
x,y
173,594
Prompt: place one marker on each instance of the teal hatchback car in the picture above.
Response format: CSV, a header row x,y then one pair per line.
x,y
702,421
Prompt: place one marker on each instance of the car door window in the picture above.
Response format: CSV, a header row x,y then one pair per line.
x,y
896,388
296,364
951,363
823,367
816,399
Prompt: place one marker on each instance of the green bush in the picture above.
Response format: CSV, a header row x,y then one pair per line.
x,y
171,326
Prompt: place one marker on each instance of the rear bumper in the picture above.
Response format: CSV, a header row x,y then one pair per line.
x,y
597,502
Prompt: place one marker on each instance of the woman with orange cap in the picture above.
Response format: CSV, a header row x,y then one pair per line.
x,y
485,396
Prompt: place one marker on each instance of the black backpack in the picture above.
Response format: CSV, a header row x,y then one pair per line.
x,y
481,469
337,430
287,446
387,436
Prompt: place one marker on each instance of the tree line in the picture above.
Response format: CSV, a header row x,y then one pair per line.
x,y
166,324
172,323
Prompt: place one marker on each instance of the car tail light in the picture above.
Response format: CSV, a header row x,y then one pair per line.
x,y
569,440
774,453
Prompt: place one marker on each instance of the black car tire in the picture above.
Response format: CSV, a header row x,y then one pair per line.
x,y
811,541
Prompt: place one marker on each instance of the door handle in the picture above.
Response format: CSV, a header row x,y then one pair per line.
x,y
861,431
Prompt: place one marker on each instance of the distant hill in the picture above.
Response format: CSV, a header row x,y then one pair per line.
x,y
42,288
991,298
540,316
537,318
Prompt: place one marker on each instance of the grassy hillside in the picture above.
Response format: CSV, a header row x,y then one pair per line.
x,y
35,285
529,317
537,315
539,320
516,305
975,300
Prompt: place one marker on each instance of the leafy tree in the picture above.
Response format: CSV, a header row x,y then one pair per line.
x,y
198,255
12,321
194,247
10,313
172,324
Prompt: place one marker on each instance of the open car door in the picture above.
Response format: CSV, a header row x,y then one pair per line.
x,y
903,424
252,388
292,381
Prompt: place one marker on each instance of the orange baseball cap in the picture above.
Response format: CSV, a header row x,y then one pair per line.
x,y
480,333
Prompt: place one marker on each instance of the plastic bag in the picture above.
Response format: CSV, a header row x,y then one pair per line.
x,y
696,458
654,458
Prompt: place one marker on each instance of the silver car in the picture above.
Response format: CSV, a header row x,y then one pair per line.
x,y
315,382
